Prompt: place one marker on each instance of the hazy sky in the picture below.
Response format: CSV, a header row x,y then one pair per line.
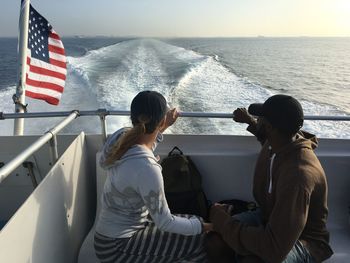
x,y
190,18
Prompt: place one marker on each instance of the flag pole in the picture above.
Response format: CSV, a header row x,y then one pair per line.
x,y
19,97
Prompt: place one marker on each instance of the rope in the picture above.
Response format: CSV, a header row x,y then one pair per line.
x,y
17,102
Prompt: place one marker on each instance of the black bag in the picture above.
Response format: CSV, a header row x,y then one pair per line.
x,y
183,185
239,206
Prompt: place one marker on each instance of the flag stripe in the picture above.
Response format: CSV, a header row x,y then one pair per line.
x,y
47,72
57,50
44,85
44,78
44,91
57,56
48,99
55,42
58,63
54,35
43,64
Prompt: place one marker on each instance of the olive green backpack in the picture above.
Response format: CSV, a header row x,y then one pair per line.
x,y
183,185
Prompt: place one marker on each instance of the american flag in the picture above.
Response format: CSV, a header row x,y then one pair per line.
x,y
46,61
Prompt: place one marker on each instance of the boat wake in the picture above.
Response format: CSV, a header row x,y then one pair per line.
x,y
111,76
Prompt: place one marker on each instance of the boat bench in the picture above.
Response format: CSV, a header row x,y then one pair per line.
x,y
338,224
87,251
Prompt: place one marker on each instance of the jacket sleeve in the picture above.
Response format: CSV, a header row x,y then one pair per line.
x,y
152,192
252,128
272,242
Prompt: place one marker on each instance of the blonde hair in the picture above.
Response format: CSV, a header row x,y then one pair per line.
x,y
127,140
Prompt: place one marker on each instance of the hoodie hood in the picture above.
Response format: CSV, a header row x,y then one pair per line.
x,y
303,140
135,152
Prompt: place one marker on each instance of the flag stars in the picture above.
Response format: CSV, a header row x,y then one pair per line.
x,y
38,43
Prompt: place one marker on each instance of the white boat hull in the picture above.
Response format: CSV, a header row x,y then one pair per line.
x,y
52,223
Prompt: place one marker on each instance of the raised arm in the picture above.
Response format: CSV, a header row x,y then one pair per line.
x,y
241,115
170,119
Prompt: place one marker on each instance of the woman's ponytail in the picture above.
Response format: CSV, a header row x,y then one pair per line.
x,y
128,139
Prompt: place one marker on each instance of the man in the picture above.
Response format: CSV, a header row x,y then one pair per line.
x,y
289,186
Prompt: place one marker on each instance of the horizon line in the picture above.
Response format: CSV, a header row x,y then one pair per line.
x,y
137,36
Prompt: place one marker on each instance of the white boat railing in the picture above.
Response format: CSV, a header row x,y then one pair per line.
x,y
105,112
50,136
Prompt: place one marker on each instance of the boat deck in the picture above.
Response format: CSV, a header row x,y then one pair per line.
x,y
54,220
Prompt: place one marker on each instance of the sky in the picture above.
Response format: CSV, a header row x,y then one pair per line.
x,y
187,18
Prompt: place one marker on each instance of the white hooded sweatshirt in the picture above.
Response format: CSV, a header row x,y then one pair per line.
x,y
133,191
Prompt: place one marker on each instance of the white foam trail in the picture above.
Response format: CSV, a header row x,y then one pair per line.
x,y
211,87
6,105
111,76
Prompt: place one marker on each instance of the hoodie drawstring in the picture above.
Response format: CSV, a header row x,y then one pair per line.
x,y
271,166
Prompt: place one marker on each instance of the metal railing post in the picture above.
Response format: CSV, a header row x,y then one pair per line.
x,y
29,166
103,113
53,149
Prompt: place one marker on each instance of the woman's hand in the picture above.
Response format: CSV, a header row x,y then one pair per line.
x,y
170,118
207,227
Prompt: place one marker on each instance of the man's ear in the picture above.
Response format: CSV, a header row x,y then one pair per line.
x,y
268,127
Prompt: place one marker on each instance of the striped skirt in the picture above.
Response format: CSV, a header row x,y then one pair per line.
x,y
150,245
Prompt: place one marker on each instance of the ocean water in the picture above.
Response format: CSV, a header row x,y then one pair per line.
x,y
204,75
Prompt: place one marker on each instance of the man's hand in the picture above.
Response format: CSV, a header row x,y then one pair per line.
x,y
225,207
170,118
241,115
218,212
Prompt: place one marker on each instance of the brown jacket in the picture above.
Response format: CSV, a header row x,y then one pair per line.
x,y
295,209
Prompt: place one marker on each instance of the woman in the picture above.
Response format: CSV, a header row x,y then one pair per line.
x,y
135,223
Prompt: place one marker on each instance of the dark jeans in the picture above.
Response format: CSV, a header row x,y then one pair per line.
x,y
298,254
